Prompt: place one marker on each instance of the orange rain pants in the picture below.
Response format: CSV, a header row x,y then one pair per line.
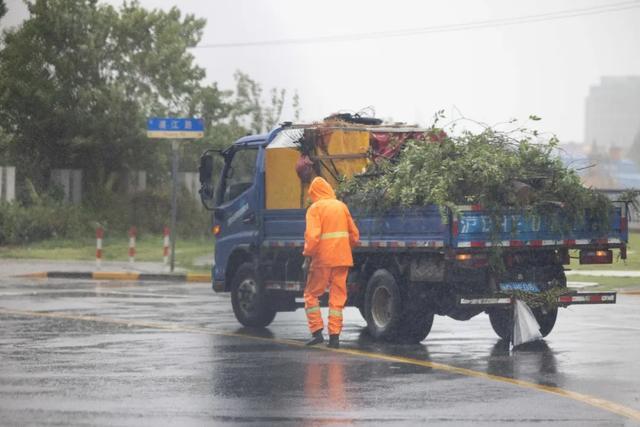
x,y
321,278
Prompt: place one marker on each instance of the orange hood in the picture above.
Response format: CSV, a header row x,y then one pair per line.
x,y
320,189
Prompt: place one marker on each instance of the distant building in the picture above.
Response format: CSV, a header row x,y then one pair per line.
x,y
613,112
604,169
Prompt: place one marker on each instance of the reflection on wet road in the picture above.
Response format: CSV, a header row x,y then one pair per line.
x,y
152,353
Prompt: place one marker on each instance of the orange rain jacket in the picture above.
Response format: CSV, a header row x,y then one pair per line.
x,y
331,232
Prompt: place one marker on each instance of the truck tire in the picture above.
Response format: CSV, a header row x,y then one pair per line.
x,y
415,326
383,306
361,310
546,319
502,322
248,299
502,319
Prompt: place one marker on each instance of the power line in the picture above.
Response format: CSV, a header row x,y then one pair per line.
x,y
491,23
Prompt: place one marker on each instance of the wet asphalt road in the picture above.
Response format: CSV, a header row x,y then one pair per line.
x,y
125,353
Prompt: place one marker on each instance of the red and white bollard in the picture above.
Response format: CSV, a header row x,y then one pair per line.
x,y
165,249
99,236
132,244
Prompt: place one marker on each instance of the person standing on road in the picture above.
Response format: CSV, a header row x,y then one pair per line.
x,y
329,236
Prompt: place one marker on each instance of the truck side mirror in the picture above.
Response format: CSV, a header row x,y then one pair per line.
x,y
206,168
206,186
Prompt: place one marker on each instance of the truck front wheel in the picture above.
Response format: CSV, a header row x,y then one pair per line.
x,y
248,299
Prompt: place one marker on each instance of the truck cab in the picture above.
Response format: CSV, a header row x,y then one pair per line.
x,y
238,197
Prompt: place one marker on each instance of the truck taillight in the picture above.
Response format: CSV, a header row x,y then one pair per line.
x,y
478,260
600,256
216,229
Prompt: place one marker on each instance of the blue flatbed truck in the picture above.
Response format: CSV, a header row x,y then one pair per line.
x,y
409,265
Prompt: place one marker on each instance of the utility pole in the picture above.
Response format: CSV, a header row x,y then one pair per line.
x,y
174,201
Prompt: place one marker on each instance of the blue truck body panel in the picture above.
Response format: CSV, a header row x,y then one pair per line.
x,y
425,225
422,224
475,226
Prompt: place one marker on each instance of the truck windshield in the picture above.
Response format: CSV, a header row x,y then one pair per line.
x,y
239,173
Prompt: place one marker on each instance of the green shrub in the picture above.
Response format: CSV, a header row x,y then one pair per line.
x,y
23,224
40,217
150,211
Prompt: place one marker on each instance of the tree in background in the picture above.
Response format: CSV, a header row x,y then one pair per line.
x,y
228,114
3,8
249,106
78,78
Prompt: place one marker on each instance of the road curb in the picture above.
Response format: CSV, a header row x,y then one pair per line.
x,y
121,275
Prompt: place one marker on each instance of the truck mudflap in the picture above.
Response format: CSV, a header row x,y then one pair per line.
x,y
571,298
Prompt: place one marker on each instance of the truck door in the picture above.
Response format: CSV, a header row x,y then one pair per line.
x,y
237,204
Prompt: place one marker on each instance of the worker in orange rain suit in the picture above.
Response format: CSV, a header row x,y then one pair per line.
x,y
328,239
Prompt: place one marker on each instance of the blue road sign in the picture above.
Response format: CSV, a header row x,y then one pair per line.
x,y
175,128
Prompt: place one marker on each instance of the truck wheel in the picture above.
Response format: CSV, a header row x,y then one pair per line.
x,y
546,319
383,306
416,326
361,310
248,299
502,322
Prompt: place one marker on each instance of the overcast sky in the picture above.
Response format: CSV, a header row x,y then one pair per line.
x,y
489,74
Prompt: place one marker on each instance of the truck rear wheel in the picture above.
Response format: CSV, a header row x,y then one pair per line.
x,y
248,299
502,322
415,326
502,319
383,306
387,317
361,310
546,319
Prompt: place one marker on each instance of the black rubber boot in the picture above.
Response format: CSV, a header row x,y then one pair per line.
x,y
334,341
317,338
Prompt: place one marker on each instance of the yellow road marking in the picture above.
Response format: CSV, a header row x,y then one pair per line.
x,y
630,292
105,275
40,275
193,277
580,397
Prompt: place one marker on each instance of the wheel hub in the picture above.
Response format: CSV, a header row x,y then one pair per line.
x,y
247,292
381,307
